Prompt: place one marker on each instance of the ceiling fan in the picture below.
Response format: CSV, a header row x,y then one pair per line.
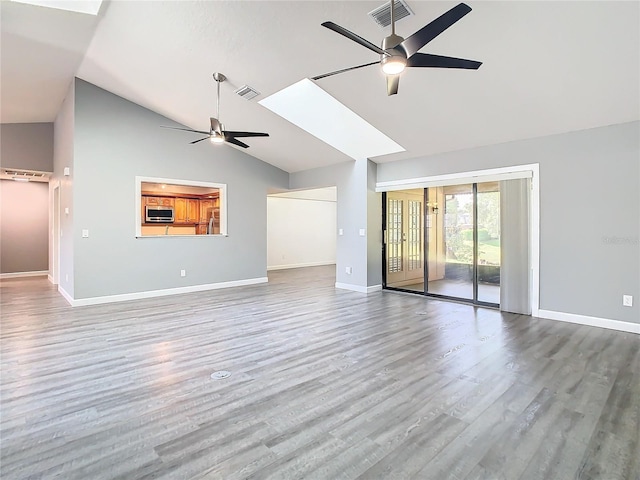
x,y
217,133
397,53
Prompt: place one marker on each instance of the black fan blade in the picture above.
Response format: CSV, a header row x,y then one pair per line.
x,y
343,70
230,139
196,141
186,130
352,36
437,61
427,33
392,84
244,134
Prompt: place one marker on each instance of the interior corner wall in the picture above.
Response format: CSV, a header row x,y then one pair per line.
x,y
63,132
116,140
27,146
350,178
589,212
24,226
301,232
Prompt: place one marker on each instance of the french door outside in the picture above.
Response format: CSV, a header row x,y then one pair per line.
x,y
404,244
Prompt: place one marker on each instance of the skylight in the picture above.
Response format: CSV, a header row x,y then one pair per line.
x,y
90,7
312,109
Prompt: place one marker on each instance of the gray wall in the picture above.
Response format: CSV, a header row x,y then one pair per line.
x,y
589,212
27,146
116,140
24,222
350,178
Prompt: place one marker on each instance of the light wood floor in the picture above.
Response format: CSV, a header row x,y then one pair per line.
x,y
325,384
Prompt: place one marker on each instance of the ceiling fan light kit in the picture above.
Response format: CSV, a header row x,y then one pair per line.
x,y
217,133
397,53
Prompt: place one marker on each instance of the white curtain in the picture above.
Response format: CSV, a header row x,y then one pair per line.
x,y
515,270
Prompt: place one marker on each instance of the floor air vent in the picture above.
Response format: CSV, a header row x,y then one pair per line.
x,y
382,14
222,374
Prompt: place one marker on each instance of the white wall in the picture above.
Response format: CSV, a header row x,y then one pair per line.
x,y
63,157
301,229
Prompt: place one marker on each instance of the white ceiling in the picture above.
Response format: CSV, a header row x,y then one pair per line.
x,y
548,67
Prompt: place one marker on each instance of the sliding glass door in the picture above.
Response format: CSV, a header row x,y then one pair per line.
x,y
455,277
457,253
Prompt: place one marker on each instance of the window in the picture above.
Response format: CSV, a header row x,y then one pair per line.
x,y
170,207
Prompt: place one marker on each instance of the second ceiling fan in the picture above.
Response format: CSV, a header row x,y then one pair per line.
x,y
398,53
217,133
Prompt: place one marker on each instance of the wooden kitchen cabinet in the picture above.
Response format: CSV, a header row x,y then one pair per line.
x,y
193,210
186,210
205,205
164,201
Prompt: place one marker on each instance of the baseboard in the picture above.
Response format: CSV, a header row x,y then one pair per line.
x,y
358,288
590,321
124,297
66,295
39,273
299,265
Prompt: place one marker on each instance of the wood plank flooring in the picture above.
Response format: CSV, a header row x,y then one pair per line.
x,y
325,384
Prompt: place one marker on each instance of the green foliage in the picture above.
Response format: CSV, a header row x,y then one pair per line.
x,y
483,234
489,214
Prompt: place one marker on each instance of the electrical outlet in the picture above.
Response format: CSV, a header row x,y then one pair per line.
x,y
183,273
627,300
362,232
340,231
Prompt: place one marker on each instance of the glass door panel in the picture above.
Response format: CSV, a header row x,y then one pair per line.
x,y
488,267
454,225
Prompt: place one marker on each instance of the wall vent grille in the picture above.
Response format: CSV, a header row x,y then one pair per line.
x,y
382,14
246,92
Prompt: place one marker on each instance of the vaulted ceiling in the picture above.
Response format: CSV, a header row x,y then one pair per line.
x,y
548,67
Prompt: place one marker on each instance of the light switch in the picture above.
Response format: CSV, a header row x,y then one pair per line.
x,y
66,172
66,210
85,233
340,231
362,232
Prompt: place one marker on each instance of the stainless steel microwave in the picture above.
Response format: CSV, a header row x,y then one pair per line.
x,y
158,214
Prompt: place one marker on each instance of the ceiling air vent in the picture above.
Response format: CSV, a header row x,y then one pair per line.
x,y
247,92
382,14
